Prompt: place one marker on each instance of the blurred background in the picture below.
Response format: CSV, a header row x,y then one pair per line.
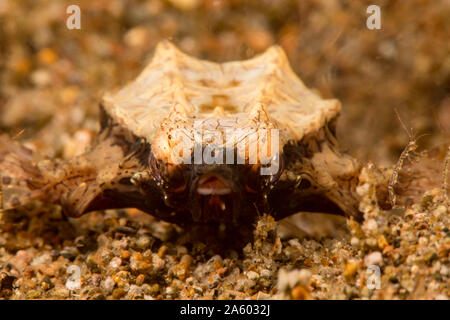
x,y
51,78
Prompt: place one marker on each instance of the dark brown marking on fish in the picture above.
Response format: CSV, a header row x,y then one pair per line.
x,y
6,180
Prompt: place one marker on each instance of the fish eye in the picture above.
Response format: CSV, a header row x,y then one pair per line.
x,y
253,182
249,189
174,177
170,176
180,189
